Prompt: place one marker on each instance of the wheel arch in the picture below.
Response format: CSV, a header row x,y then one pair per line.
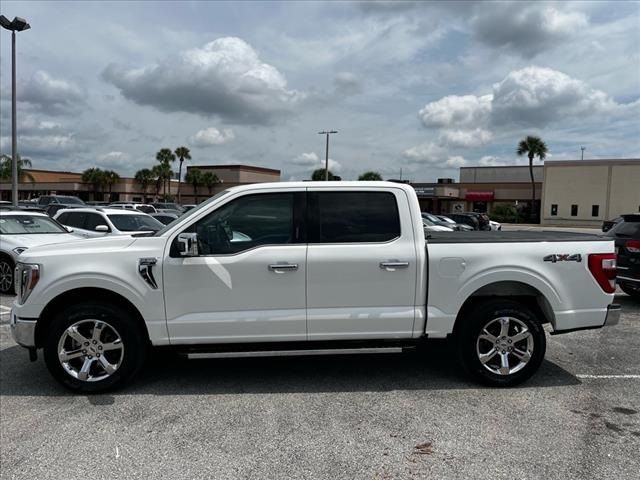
x,y
86,294
510,290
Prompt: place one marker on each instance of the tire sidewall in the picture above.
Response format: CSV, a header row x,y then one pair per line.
x,y
477,320
135,345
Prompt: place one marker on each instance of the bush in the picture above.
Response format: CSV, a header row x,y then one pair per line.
x,y
505,213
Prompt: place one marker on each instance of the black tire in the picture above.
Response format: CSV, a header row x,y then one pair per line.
x,y
6,265
470,346
133,340
632,292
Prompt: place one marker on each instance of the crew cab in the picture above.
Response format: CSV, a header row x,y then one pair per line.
x,y
308,267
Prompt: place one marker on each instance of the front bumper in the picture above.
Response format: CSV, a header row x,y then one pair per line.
x,y
613,315
23,330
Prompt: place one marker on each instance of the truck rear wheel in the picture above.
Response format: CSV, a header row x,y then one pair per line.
x,y
501,343
93,347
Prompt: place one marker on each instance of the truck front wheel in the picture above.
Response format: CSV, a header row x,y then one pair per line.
x,y
501,343
93,347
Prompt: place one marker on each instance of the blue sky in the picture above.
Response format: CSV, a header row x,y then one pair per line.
x,y
423,86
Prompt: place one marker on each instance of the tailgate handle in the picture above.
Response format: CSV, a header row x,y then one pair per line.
x,y
394,264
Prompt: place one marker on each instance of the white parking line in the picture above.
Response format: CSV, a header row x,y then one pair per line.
x,y
624,377
2,307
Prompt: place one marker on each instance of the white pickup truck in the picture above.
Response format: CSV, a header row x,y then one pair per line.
x,y
307,268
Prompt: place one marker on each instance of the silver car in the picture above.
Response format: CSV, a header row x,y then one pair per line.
x,y
20,230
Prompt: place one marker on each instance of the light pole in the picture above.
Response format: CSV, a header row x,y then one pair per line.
x,y
326,157
16,25
582,152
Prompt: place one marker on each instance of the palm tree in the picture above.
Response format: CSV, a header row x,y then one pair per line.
x,y
94,176
370,176
194,177
145,178
110,178
532,147
209,180
5,168
183,154
156,173
318,175
165,156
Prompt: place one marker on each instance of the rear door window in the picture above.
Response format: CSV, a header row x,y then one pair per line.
x,y
76,219
353,217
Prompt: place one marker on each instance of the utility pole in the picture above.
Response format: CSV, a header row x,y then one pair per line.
x,y
326,156
16,25
582,152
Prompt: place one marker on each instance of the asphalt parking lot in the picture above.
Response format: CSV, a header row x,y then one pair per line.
x,y
394,416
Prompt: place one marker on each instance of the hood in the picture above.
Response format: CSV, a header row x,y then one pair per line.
x,y
83,246
31,241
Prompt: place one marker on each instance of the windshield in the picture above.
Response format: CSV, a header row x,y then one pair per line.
x,y
445,219
135,223
70,200
21,224
193,211
431,218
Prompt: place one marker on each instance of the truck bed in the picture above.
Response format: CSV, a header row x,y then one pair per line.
x,y
519,236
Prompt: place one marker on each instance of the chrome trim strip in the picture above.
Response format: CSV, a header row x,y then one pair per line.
x,y
628,279
291,353
23,331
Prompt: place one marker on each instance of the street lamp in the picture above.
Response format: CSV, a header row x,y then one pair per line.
x,y
326,157
16,25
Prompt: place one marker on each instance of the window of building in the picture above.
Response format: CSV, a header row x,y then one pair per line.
x,y
595,210
574,210
349,217
247,222
554,209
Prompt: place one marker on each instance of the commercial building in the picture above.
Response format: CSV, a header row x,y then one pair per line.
x,y
586,192
230,176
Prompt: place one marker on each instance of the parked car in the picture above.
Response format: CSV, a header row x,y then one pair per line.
x,y
466,219
168,206
165,218
45,200
609,224
451,224
189,206
20,230
99,222
626,234
53,208
171,211
495,225
353,275
432,227
141,207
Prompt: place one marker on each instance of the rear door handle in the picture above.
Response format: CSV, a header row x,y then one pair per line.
x,y
394,265
283,267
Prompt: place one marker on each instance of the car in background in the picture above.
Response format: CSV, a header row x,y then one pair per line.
x,y
96,203
465,219
626,234
168,206
432,227
447,222
141,207
20,230
165,218
189,206
45,200
100,222
170,210
53,208
494,225
609,224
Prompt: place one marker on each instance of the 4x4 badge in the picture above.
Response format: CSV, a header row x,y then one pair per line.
x,y
565,257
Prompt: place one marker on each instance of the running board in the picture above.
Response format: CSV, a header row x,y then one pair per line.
x,y
293,353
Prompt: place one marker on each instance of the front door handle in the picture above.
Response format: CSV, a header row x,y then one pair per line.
x,y
283,267
393,265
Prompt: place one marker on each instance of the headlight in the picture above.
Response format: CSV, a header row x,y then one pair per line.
x,y
26,278
19,250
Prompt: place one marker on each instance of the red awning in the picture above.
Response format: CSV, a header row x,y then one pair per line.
x,y
479,196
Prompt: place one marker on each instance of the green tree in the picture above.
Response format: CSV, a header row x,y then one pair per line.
x,y
156,173
110,179
145,178
209,180
194,177
532,147
5,168
166,157
370,176
318,175
183,154
95,177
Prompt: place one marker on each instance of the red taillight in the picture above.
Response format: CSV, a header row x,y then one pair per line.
x,y
633,246
603,268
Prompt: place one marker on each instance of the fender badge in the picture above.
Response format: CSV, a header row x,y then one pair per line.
x,y
564,257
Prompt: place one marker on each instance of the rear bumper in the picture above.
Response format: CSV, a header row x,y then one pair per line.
x,y
611,318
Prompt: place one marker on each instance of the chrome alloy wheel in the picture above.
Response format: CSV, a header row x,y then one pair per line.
x,y
504,346
90,350
6,276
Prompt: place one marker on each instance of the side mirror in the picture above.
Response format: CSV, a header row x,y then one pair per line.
x,y
102,228
68,229
188,244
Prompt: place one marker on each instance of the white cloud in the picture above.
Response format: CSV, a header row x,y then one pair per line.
x,y
455,111
225,77
53,145
51,95
312,161
465,138
347,83
433,155
211,136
